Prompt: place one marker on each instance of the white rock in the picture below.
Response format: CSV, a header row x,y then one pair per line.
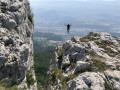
x,y
110,64
77,59
92,45
65,61
105,37
16,45
86,81
15,6
113,78
81,66
75,39
77,84
12,24
119,49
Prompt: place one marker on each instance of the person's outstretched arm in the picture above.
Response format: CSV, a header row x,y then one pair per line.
x,y
66,24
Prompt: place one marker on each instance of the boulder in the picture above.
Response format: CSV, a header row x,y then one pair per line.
x,y
87,81
12,24
113,78
81,66
105,37
75,39
65,61
93,45
110,64
77,84
15,6
8,23
5,2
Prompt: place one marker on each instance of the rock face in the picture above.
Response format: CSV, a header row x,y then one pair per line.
x,y
16,44
87,81
87,63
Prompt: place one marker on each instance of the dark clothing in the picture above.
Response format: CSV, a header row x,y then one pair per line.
x,y
68,27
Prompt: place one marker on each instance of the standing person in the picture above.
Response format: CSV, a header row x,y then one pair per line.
x,y
68,27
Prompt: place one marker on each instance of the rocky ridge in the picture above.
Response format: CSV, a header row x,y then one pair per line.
x,y
86,63
16,45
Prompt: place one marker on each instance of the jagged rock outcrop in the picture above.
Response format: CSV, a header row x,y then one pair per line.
x,y
86,63
16,45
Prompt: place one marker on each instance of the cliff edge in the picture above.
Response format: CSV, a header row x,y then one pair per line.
x,y
86,63
16,45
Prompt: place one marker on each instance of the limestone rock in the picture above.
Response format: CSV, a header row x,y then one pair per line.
x,y
86,81
65,61
16,45
81,66
75,39
113,79
83,62
104,36
15,6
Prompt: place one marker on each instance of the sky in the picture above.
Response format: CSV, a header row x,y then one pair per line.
x,y
72,0
36,3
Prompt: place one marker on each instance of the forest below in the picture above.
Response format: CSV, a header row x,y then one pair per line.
x,y
43,53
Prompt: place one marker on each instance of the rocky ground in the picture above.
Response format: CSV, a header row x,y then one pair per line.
x,y
86,63
16,45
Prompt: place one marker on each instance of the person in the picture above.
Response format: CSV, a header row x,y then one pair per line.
x,y
68,27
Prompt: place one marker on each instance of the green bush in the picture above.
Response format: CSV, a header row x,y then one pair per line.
x,y
31,19
42,57
63,80
72,64
5,87
39,86
3,9
57,73
29,78
107,86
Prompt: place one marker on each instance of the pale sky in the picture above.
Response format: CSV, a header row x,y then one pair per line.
x,y
72,0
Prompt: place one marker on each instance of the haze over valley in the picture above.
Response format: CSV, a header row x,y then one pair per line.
x,y
85,16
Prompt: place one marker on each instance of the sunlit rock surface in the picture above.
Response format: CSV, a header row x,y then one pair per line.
x,y
16,44
86,63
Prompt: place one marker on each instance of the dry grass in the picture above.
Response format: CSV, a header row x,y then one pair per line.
x,y
87,39
63,80
29,78
59,52
99,62
5,87
107,50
